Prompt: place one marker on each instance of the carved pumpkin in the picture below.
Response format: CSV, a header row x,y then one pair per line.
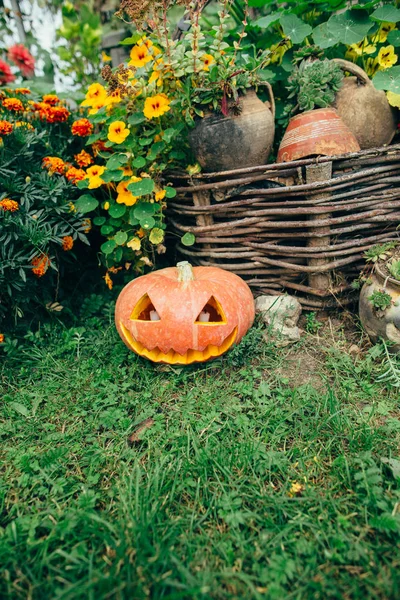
x,y
182,315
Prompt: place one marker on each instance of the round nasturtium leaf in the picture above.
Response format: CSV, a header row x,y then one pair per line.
x,y
120,237
106,229
117,210
147,223
188,239
144,210
86,203
142,188
139,162
156,235
108,246
170,192
99,221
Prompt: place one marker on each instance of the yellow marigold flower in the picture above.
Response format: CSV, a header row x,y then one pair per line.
x,y
23,124
83,159
54,164
105,57
118,132
393,99
160,195
207,60
124,195
108,280
67,243
95,96
1,338
5,127
13,104
140,56
134,244
386,57
383,32
156,106
9,205
40,265
87,225
51,99
94,175
106,205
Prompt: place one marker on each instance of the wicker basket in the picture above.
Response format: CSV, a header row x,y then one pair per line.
x,y
301,226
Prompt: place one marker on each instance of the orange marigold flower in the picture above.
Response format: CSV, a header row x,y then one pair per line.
x,y
40,265
1,338
51,99
82,127
87,225
9,205
5,127
83,159
108,280
13,104
22,91
67,243
53,164
57,114
73,175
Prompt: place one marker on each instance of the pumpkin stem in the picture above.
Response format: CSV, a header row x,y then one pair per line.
x,y
185,271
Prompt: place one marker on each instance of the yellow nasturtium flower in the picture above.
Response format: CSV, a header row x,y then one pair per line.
x,y
134,243
386,57
105,57
393,99
94,175
95,95
124,195
361,48
160,195
140,56
383,32
207,60
156,106
118,132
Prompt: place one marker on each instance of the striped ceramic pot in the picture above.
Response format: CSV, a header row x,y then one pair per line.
x,y
319,132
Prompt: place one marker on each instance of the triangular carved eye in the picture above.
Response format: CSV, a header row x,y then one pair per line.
x,y
211,314
144,310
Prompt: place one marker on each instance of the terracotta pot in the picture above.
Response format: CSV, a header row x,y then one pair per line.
x,y
381,324
314,133
364,109
223,143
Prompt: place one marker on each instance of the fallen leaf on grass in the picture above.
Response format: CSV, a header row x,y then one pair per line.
x,y
135,438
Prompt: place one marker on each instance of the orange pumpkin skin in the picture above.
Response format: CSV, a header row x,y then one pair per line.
x,y
178,337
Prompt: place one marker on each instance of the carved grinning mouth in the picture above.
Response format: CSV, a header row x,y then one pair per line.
x,y
174,358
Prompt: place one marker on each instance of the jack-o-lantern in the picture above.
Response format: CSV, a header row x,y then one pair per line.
x,y
182,315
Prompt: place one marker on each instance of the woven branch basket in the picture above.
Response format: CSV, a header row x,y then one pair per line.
x,y
300,226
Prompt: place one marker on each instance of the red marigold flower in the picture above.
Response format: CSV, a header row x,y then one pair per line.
x,y
67,243
40,265
6,76
83,159
73,175
21,57
13,104
82,127
5,127
1,338
22,91
53,164
51,99
9,205
57,114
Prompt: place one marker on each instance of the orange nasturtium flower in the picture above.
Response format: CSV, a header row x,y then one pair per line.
x,y
94,175
108,280
67,243
156,106
40,265
13,104
9,205
83,159
82,127
118,132
1,338
53,164
5,128
124,195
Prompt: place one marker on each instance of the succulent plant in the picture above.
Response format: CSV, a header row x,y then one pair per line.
x,y
314,84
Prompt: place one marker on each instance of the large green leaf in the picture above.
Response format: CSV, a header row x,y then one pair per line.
x,y
116,161
265,22
136,118
108,246
139,162
388,13
295,28
388,80
86,203
170,192
120,237
394,38
142,188
115,175
117,210
147,223
144,210
349,27
322,37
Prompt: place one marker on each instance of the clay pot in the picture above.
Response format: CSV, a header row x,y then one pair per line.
x,y
315,133
381,324
222,143
365,110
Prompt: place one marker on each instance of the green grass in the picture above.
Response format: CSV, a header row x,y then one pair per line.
x,y
203,507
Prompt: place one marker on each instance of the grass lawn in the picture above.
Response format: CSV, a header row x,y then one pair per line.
x,y
268,474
